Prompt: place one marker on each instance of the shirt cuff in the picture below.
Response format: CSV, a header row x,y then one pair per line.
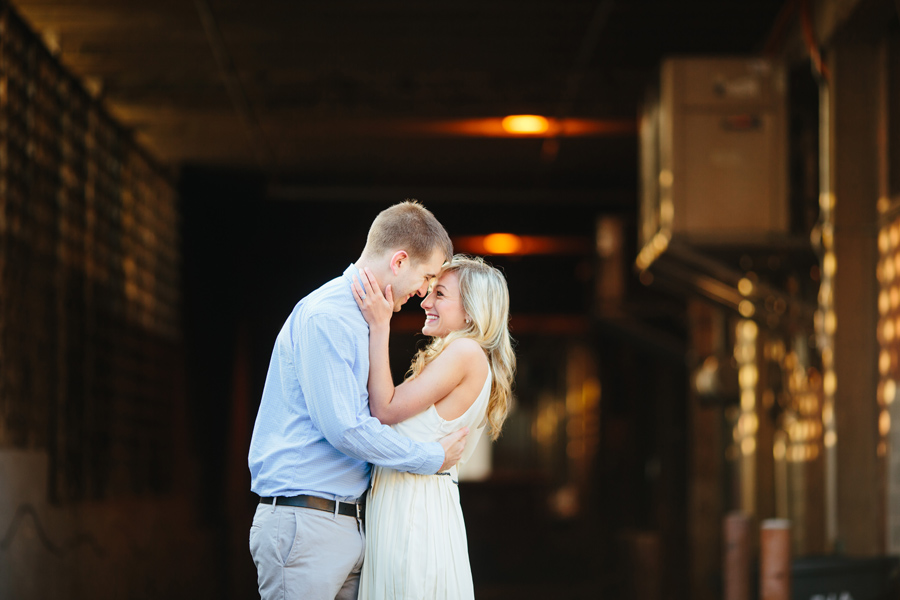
x,y
434,460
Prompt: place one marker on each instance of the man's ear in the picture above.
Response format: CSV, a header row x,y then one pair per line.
x,y
397,259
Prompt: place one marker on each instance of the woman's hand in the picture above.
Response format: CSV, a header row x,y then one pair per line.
x,y
376,307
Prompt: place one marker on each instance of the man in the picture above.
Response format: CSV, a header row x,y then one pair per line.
x,y
314,438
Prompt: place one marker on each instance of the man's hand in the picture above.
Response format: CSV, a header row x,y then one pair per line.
x,y
453,445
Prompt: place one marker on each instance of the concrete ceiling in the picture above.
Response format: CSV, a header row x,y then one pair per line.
x,y
397,91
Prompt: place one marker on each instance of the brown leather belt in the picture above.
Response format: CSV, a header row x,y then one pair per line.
x,y
349,509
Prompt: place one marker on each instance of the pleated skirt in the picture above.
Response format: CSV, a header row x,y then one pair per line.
x,y
416,546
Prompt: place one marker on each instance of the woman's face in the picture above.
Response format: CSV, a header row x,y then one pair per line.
x,y
443,307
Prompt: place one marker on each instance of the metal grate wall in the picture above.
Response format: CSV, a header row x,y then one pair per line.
x,y
89,284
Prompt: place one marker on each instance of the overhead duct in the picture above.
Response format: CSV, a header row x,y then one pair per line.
x,y
714,178
713,154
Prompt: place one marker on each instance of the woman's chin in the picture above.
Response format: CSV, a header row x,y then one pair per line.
x,y
430,331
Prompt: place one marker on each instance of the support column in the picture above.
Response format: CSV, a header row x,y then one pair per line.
x,y
854,181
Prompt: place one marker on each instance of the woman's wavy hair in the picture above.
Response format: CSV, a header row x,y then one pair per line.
x,y
485,298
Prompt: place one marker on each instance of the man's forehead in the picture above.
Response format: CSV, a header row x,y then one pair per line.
x,y
433,270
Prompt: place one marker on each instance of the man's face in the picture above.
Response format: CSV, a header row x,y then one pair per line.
x,y
414,278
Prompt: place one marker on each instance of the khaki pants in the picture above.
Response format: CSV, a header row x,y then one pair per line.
x,y
306,553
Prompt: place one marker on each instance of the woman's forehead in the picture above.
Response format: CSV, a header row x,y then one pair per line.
x,y
447,279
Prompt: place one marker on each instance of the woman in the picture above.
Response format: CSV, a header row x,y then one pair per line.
x,y
415,533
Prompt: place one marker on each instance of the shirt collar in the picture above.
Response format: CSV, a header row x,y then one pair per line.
x,y
351,272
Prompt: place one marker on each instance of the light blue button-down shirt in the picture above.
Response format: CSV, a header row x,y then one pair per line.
x,y
314,433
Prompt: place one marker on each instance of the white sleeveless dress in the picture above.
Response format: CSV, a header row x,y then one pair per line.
x,y
416,545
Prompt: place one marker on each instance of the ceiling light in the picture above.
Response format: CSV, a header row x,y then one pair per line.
x,y
525,124
502,243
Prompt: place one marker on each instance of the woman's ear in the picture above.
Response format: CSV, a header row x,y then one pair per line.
x,y
398,258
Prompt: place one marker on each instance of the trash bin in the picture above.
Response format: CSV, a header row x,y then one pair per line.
x,y
845,578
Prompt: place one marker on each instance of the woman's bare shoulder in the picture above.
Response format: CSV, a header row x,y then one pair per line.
x,y
467,353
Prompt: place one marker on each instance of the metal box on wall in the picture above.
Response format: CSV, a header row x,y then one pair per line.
x,y
714,152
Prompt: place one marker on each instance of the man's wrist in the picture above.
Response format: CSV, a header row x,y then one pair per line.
x,y
435,461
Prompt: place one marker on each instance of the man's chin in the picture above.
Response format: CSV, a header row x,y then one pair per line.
x,y
400,302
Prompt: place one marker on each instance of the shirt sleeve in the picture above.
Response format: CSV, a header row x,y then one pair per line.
x,y
324,354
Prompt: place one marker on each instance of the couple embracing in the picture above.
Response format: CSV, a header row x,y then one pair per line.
x,y
357,477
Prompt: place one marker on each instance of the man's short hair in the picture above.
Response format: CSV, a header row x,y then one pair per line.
x,y
408,226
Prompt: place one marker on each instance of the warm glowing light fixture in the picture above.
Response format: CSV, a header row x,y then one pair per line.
x,y
502,243
525,124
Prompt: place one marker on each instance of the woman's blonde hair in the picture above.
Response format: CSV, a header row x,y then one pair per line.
x,y
485,298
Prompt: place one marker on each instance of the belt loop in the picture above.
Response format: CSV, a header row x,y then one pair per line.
x,y
337,505
274,502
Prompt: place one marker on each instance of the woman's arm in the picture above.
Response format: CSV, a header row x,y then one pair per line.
x,y
377,309
390,404
442,380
